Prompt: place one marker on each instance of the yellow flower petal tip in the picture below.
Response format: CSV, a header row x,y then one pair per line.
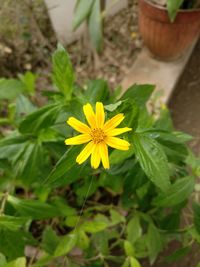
x,y
98,135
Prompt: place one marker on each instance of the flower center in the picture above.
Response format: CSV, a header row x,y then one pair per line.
x,y
97,135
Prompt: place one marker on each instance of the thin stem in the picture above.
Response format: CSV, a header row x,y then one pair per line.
x,y
82,208
3,203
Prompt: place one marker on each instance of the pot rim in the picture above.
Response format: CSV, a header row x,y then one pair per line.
x,y
165,9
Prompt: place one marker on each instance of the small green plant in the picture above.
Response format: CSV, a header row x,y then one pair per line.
x,y
173,6
68,214
90,11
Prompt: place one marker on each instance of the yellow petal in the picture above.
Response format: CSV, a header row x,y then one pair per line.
x,y
113,122
117,143
118,131
100,115
78,140
85,153
95,157
78,125
89,114
104,155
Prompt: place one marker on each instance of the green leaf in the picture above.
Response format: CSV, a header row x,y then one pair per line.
x,y
129,249
139,93
173,7
34,209
154,242
93,226
95,26
8,241
10,88
31,164
97,90
116,217
134,262
112,107
131,111
176,193
40,119
20,262
50,240
178,254
2,260
44,260
134,230
29,80
101,242
153,160
117,157
11,223
66,244
63,75
82,11
23,107
83,241
196,212
63,167
126,263
12,147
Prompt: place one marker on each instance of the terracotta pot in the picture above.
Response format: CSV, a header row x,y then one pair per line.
x,y
164,39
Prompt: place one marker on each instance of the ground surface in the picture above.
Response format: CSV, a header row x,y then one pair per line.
x,y
185,101
29,45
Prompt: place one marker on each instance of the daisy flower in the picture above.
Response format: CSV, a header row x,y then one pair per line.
x,y
98,134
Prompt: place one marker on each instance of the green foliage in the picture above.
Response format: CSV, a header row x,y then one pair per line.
x,y
173,7
63,75
71,212
91,12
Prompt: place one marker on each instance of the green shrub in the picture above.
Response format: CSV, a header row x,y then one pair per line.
x,y
75,215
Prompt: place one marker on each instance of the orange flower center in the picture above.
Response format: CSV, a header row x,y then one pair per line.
x,y
97,135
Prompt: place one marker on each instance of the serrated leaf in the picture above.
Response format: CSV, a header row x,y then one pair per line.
x,y
50,240
63,166
196,212
31,163
82,11
129,249
134,262
176,193
8,241
40,119
134,230
11,223
63,75
83,241
29,80
153,160
112,107
154,242
139,93
10,88
95,26
178,254
116,217
2,260
97,90
66,244
34,209
93,226
20,262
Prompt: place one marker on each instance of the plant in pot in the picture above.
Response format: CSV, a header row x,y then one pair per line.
x,y
169,27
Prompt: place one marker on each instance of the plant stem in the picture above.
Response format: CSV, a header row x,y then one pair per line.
x,y
3,203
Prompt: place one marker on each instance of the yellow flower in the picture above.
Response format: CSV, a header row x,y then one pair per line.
x,y
99,134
